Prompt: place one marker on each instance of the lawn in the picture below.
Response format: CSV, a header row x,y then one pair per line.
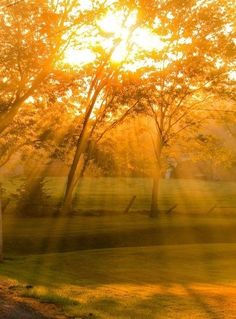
x,y
191,196
191,222
118,266
62,234
159,282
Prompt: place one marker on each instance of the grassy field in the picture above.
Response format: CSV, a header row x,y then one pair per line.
x,y
191,222
159,282
44,235
120,266
191,196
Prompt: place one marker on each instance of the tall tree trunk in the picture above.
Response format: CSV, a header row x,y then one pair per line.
x,y
81,147
72,180
154,212
158,145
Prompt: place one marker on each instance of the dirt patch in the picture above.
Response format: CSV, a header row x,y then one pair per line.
x,y
13,306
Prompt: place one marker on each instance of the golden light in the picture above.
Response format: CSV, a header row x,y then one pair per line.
x,y
77,57
81,5
111,24
86,4
141,39
232,75
120,52
146,40
117,26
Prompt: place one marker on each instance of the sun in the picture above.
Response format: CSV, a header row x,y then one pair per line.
x,y
119,32
146,40
78,57
118,23
139,39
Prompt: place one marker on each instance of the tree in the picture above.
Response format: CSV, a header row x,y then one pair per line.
x,y
113,56
34,37
84,145
195,58
99,81
37,36
162,59
213,153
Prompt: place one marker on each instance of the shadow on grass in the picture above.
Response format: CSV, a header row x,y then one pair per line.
x,y
210,312
161,306
145,283
143,265
52,235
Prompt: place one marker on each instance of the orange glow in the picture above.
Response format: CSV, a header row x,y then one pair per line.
x,y
117,26
77,57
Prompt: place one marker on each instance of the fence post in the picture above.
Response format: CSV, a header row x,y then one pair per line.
x,y
170,210
212,208
130,204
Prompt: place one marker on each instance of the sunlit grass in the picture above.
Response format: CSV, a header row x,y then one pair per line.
x,y
196,280
190,196
41,235
45,295
145,282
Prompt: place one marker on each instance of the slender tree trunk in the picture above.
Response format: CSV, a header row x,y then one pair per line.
x,y
72,180
81,147
154,212
67,203
78,163
97,85
158,145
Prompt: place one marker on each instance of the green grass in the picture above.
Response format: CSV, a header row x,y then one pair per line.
x,y
180,266
185,281
43,235
48,297
191,196
190,223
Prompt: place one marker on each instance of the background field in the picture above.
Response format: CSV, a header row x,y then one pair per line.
x,y
113,194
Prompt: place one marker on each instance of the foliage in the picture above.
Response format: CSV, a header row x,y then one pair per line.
x,y
212,151
55,107
32,198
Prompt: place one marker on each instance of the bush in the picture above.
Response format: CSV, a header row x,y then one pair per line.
x,y
32,198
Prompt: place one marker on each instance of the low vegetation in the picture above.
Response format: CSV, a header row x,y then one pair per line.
x,y
143,282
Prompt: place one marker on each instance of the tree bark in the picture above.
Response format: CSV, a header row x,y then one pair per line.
x,y
77,164
154,212
72,180
81,146
158,146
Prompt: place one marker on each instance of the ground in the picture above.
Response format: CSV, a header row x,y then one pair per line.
x,y
118,266
23,236
158,282
14,306
191,196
